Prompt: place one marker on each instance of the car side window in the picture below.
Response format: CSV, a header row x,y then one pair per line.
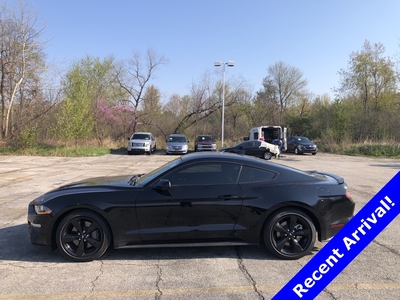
x,y
205,174
247,145
250,174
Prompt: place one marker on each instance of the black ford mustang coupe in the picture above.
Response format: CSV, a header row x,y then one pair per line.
x,y
200,199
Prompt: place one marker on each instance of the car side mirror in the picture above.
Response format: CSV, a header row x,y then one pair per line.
x,y
163,184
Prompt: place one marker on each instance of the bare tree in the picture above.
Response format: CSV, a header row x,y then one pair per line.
x,y
204,100
20,59
283,84
134,76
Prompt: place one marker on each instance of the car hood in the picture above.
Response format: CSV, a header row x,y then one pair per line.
x,y
176,144
111,181
205,143
139,141
307,144
227,149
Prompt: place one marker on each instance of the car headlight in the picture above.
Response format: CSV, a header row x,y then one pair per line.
x,y
41,209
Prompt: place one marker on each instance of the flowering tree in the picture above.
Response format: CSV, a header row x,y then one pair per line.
x,y
113,121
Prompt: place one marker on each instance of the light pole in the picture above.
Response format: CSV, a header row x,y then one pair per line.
x,y
229,63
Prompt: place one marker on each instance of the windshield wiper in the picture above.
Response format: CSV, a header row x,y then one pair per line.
x,y
134,178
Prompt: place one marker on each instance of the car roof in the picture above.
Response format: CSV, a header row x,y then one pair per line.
x,y
224,156
243,159
140,132
177,134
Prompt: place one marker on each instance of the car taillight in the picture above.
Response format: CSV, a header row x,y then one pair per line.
x,y
348,195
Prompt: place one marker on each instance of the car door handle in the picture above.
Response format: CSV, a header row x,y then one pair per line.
x,y
227,197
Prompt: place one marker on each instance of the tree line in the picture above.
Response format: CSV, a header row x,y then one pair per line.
x,y
105,99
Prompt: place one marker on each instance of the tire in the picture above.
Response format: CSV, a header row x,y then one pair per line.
x,y
129,152
315,153
289,234
82,236
297,151
267,155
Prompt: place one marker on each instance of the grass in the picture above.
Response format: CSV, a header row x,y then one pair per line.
x,y
369,149
57,150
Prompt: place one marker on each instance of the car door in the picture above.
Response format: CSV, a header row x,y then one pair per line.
x,y
290,145
203,202
254,149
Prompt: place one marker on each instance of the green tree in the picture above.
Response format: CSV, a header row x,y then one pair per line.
x,y
369,78
87,82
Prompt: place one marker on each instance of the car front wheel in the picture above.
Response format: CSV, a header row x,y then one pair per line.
x,y
82,236
289,234
297,151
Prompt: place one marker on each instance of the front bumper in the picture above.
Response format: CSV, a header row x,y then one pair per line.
x,y
177,151
308,150
206,148
39,225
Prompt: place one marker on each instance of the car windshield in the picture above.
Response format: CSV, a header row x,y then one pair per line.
x,y
140,136
146,178
205,139
303,139
177,139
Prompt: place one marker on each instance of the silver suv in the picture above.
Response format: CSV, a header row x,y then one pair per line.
x,y
141,142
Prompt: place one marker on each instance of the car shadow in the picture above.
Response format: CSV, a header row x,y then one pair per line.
x,y
123,151
16,246
389,165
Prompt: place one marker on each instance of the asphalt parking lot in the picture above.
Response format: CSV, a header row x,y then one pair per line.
x,y
34,272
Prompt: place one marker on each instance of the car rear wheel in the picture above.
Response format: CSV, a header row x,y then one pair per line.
x,y
82,236
267,155
289,234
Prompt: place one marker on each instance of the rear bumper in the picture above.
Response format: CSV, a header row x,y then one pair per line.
x,y
336,218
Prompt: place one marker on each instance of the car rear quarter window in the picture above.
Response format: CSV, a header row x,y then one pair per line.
x,y
250,174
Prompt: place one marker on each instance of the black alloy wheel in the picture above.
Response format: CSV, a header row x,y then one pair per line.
x,y
82,236
289,234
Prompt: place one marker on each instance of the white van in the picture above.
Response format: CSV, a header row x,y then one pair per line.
x,y
268,134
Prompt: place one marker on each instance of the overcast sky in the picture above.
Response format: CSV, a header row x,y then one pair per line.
x,y
314,36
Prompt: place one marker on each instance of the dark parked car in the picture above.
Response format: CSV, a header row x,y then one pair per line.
x,y
196,199
300,145
252,148
205,143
